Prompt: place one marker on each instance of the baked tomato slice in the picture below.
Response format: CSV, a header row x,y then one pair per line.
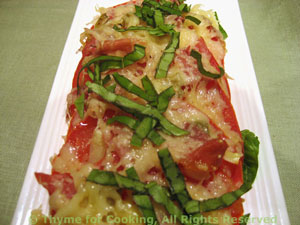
x,y
79,136
57,181
204,160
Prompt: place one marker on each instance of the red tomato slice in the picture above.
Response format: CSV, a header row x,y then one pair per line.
x,y
109,46
57,181
228,111
79,137
236,210
201,162
203,49
90,48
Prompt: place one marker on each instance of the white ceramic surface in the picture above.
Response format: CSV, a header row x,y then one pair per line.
x,y
264,200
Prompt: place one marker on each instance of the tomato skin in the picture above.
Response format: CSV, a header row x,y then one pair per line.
x,y
55,181
237,210
109,46
235,170
108,114
79,137
206,159
90,48
203,49
228,112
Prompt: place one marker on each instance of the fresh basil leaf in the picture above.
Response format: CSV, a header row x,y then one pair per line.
x,y
164,98
155,137
153,31
193,19
243,220
130,87
150,90
126,120
106,79
168,56
198,57
79,104
137,54
223,32
111,88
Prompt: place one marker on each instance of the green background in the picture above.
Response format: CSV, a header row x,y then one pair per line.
x,y
32,37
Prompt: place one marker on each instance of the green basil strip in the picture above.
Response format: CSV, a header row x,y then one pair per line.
x,y
144,127
79,104
137,54
100,59
125,182
97,72
143,201
159,22
168,56
250,167
243,220
184,7
141,131
111,88
114,62
193,19
132,174
126,120
145,205
177,183
106,79
170,10
91,75
146,110
109,65
223,32
147,15
164,98
102,177
161,196
138,11
149,88
130,87
136,140
198,57
151,3
155,137
174,177
114,179
153,31
165,7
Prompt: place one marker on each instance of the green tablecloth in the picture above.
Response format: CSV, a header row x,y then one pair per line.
x,y
33,33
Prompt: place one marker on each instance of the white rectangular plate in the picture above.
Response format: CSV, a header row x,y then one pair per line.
x,y
265,200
